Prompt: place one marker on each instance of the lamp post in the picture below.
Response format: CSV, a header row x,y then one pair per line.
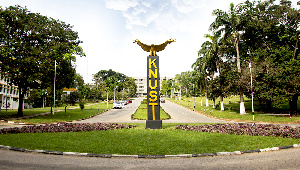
x,y
115,93
107,97
54,89
194,96
187,100
251,89
97,94
96,78
6,91
180,94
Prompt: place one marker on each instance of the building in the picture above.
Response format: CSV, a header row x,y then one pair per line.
x,y
141,83
9,95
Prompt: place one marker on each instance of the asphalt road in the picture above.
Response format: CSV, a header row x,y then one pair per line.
x,y
283,159
117,115
178,113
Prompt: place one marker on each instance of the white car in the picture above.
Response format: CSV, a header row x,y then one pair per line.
x,y
123,102
117,105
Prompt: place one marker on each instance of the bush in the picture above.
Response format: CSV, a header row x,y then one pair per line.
x,y
247,129
81,105
144,101
65,127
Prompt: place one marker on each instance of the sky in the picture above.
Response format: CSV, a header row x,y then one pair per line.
x,y
109,27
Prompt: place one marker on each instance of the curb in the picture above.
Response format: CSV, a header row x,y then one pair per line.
x,y
148,156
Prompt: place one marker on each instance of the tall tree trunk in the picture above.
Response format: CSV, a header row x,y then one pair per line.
x,y
201,94
206,93
238,62
242,103
293,103
296,47
269,105
221,100
21,99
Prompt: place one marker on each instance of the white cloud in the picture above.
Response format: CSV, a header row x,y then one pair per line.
x,y
157,15
122,5
186,6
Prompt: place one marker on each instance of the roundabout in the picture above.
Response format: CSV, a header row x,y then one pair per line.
x,y
182,115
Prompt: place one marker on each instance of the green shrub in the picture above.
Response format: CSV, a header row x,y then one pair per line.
x,y
81,105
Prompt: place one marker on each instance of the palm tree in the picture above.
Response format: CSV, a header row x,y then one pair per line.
x,y
206,63
230,24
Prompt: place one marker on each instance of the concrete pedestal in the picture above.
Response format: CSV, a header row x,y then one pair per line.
x,y
154,124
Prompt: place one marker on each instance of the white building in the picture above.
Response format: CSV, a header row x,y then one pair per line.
x,y
141,83
9,95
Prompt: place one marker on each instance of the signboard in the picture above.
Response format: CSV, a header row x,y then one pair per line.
x,y
153,95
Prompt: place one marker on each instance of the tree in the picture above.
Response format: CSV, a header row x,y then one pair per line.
x,y
30,44
111,80
272,37
79,85
232,26
130,86
206,63
166,86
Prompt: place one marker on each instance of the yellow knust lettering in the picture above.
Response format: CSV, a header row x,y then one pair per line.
x,y
152,62
152,73
155,85
153,94
153,109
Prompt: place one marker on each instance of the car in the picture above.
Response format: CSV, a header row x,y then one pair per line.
x,y
162,100
117,105
123,102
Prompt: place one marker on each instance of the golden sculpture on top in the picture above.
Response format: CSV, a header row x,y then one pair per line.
x,y
154,48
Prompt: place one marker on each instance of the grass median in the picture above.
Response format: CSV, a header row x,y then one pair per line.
x,y
141,141
141,113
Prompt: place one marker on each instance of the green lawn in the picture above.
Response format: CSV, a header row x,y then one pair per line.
x,y
166,141
141,113
26,112
232,110
70,115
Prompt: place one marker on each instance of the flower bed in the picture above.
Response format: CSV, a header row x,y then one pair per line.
x,y
247,129
65,127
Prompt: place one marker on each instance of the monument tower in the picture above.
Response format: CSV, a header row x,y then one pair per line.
x,y
153,85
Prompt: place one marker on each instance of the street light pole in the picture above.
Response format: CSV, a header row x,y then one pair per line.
x,y
194,96
54,88
107,97
251,89
97,94
6,91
